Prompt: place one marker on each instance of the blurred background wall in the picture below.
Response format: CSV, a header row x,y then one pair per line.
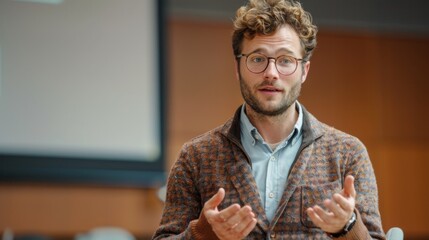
x,y
368,77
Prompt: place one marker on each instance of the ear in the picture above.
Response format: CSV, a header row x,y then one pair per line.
x,y
305,72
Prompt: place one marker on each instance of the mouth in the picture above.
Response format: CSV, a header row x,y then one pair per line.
x,y
270,89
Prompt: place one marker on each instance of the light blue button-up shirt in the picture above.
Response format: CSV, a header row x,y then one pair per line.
x,y
270,168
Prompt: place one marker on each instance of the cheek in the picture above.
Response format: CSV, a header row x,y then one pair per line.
x,y
250,80
249,77
243,68
297,76
243,73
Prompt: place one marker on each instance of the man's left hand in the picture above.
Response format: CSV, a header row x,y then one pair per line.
x,y
338,211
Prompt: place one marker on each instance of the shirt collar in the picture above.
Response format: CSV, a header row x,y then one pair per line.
x,y
250,133
247,129
298,124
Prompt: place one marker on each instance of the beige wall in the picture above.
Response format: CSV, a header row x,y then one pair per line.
x,y
372,86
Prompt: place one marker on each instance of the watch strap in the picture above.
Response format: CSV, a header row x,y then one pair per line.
x,y
349,225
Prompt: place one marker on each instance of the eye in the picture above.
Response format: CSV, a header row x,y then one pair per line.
x,y
257,58
285,60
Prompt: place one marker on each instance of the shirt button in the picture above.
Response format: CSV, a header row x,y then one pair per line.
x,y
272,158
271,195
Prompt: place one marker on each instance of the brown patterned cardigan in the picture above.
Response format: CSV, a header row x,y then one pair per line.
x,y
217,159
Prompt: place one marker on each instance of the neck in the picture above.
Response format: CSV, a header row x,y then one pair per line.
x,y
274,128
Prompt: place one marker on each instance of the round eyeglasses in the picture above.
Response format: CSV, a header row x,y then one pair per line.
x,y
258,62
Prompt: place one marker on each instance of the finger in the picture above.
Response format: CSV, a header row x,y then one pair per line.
x,y
334,207
344,203
242,224
315,217
349,188
249,227
236,217
226,214
324,215
213,202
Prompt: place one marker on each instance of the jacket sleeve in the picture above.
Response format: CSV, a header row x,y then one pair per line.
x,y
368,224
182,217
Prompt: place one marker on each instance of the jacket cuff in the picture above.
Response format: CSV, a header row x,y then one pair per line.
x,y
359,230
201,229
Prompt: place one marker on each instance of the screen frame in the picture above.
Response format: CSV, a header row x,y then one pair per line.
x,y
98,171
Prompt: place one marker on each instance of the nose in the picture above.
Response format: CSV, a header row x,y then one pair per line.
x,y
271,70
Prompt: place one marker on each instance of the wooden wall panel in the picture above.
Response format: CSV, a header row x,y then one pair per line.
x,y
403,182
65,210
341,86
203,90
403,89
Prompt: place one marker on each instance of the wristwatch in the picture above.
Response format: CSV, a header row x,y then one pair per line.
x,y
349,225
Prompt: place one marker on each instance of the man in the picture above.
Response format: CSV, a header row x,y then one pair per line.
x,y
273,171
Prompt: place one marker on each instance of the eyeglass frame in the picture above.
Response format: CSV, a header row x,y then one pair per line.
x,y
297,60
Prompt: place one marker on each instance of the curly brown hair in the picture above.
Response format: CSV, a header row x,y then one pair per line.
x,y
264,17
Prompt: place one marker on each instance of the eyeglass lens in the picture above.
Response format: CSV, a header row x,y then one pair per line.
x,y
257,63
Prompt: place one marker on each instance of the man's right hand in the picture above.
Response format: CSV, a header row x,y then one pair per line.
x,y
233,222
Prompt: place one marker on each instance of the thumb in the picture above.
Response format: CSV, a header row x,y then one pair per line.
x,y
213,202
349,187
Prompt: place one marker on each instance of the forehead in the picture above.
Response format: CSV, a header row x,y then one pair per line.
x,y
284,40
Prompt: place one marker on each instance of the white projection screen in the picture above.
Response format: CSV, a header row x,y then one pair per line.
x,y
81,91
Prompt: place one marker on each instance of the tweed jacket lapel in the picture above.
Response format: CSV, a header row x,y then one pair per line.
x,y
241,172
311,130
294,181
245,184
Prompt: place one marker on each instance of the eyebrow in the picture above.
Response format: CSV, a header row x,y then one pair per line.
x,y
277,51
